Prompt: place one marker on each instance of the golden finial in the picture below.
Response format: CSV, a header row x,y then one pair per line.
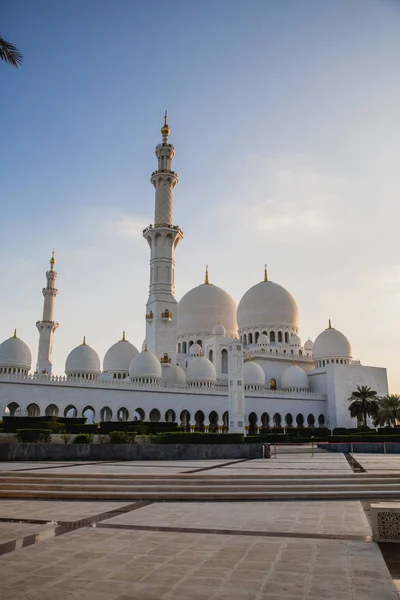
x,y
293,363
84,341
52,260
123,336
265,273
145,348
206,279
15,333
165,130
330,324
250,357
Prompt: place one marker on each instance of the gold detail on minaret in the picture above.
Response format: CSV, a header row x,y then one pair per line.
x,y
15,333
265,273
165,130
329,324
84,341
206,278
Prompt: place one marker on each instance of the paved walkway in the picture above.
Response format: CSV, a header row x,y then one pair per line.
x,y
193,550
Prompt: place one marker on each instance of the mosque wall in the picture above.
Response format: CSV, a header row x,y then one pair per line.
x,y
342,380
67,394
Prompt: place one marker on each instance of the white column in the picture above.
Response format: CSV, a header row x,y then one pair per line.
x,y
47,325
236,388
163,238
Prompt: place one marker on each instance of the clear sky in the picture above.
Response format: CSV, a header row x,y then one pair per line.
x,y
285,119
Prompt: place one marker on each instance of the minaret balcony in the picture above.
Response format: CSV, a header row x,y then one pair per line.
x,y
165,360
166,315
149,316
164,171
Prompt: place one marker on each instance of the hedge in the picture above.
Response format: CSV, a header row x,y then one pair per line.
x,y
34,436
83,428
122,437
181,437
83,438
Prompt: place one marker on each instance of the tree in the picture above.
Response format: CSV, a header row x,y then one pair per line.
x,y
363,403
10,53
388,411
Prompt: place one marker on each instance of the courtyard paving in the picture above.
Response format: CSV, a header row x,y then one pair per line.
x,y
296,550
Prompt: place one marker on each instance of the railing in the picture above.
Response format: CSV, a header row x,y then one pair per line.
x,y
219,387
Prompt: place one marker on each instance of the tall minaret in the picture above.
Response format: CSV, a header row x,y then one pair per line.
x,y
47,325
163,238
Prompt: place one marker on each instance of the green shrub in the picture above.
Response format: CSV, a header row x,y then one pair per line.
x,y
83,438
34,436
181,437
54,426
66,437
118,437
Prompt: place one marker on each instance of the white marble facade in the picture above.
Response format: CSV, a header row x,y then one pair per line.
x,y
182,372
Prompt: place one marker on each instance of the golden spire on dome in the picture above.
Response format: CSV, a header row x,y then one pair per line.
x,y
265,273
145,348
15,333
123,336
84,341
206,280
329,324
165,130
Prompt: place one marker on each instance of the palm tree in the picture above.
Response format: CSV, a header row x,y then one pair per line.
x,y
363,403
10,53
388,411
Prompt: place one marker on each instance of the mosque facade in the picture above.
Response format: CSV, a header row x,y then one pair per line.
x,y
206,362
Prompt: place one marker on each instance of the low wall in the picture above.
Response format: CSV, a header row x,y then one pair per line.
x,y
364,448
76,452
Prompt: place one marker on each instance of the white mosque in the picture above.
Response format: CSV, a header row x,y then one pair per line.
x,y
206,362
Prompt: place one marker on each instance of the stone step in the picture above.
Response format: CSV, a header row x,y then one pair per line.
x,y
195,487
201,476
201,495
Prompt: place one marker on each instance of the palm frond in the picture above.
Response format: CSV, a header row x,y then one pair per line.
x,y
10,53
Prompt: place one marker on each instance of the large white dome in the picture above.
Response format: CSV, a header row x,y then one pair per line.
x,y
14,353
82,360
145,366
174,375
294,377
202,307
201,370
266,304
118,358
331,343
253,374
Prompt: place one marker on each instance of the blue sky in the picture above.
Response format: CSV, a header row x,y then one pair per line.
x,y
284,115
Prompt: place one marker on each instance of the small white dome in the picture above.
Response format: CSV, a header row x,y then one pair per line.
x,y
295,341
201,370
195,350
174,375
219,329
202,307
14,353
331,343
253,374
82,360
145,366
294,377
267,304
118,358
308,345
263,340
